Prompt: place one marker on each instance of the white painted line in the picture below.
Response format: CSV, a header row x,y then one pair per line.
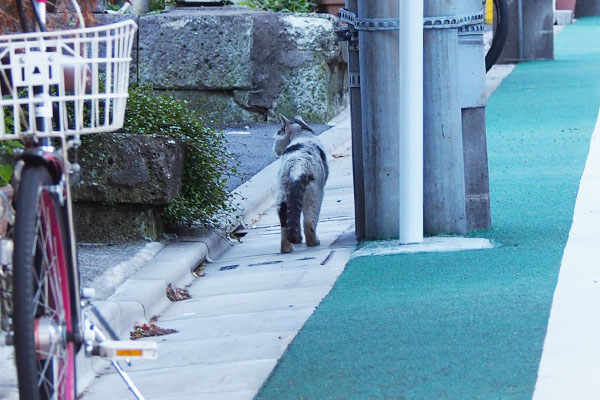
x,y
429,245
571,355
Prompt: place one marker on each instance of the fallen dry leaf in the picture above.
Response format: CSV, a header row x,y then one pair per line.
x,y
142,330
177,294
340,155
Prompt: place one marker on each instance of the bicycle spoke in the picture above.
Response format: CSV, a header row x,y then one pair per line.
x,y
54,361
50,364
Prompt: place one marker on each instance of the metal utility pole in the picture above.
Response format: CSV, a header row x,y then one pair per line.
x,y
355,111
444,174
414,97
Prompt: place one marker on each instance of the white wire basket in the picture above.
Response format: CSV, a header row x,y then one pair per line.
x,y
78,78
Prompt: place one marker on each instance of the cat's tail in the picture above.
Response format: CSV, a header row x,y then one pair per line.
x,y
295,197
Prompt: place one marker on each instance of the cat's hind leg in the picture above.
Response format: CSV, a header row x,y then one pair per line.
x,y
295,199
311,212
286,245
310,231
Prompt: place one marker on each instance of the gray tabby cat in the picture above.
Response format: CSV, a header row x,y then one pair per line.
x,y
302,178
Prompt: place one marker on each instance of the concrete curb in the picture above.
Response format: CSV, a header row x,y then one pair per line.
x,y
143,295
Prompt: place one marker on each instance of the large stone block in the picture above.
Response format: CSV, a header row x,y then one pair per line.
x,y
130,169
105,19
300,84
312,32
220,107
313,69
239,65
105,223
195,50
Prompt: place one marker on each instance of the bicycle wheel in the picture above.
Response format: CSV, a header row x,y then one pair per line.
x,y
496,14
41,293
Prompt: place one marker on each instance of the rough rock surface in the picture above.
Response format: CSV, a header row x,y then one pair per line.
x,y
195,51
238,65
219,107
105,19
104,223
313,69
129,169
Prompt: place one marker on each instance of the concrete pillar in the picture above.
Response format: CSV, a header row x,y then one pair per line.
x,y
379,100
530,34
471,79
587,8
477,181
444,174
356,117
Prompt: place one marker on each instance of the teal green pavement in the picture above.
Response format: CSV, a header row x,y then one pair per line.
x,y
466,325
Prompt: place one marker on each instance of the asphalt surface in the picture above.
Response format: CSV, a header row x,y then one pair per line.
x,y
252,147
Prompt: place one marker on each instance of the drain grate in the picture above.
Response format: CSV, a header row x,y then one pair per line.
x,y
326,260
265,263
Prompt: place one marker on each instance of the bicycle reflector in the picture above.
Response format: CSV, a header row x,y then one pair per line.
x,y
127,349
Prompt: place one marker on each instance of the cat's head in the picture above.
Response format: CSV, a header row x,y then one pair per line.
x,y
291,127
287,132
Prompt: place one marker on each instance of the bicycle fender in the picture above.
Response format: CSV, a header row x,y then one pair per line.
x,y
37,156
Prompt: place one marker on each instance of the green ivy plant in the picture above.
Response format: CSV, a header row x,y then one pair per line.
x,y
204,199
281,5
7,149
7,152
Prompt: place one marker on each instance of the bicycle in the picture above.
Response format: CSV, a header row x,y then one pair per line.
x,y
496,15
55,87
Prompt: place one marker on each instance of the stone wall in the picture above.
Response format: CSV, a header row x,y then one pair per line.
x,y
125,182
238,65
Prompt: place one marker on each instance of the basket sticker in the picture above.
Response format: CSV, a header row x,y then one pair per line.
x,y
35,68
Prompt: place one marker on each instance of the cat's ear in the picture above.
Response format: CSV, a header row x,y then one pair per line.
x,y
284,120
285,123
298,120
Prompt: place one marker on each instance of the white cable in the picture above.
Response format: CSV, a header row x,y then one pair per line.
x,y
79,14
